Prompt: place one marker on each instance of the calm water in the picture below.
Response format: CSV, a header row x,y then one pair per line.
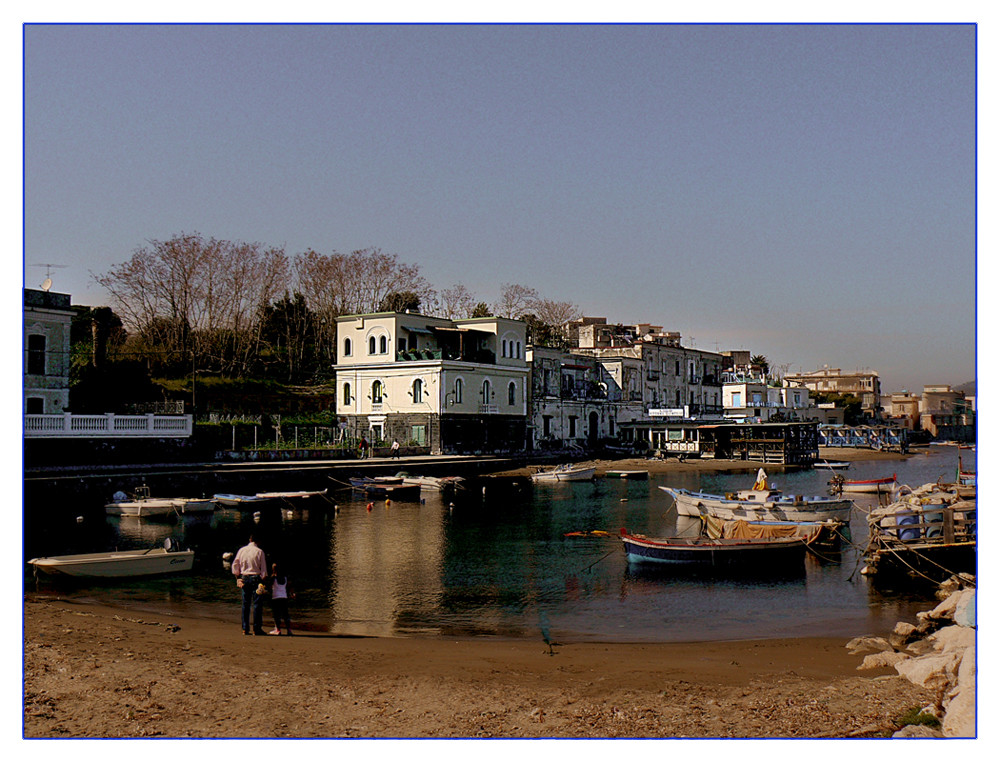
x,y
499,568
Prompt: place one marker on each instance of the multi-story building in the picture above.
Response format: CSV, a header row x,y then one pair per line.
x,y
650,365
575,400
863,384
752,399
946,414
903,409
450,385
47,318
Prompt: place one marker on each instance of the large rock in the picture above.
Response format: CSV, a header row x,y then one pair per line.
x,y
965,610
903,633
936,672
918,731
960,713
953,638
883,659
867,643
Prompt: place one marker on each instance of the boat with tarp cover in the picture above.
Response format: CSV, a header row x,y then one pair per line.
x,y
758,553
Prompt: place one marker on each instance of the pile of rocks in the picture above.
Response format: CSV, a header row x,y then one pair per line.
x,y
938,653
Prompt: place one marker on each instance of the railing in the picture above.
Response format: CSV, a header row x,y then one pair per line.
x,y
488,409
108,426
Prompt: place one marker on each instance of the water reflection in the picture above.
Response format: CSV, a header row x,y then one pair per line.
x,y
385,568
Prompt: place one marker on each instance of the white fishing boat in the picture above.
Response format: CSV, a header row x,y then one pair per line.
x,y
118,563
565,474
140,504
761,503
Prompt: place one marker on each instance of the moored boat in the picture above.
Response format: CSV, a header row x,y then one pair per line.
x,y
118,563
566,473
188,505
140,504
757,553
626,474
292,495
241,501
880,486
402,492
433,483
761,503
837,465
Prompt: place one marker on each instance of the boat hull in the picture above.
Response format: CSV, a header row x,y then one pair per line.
x,y
129,563
882,488
245,502
703,552
626,474
785,509
566,475
147,509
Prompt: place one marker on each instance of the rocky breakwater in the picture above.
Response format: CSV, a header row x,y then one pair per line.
x,y
937,653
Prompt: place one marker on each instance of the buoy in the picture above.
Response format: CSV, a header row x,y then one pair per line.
x,y
79,519
387,503
290,514
336,508
256,516
227,556
370,506
623,500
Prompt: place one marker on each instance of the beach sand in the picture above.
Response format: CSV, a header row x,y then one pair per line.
x,y
97,672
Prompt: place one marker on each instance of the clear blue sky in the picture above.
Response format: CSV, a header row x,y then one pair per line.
x,y
804,192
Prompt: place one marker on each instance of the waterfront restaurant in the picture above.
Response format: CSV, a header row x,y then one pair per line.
x,y
791,443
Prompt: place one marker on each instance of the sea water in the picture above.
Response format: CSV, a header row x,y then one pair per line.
x,y
502,567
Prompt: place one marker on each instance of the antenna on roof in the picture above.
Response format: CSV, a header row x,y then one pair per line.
x,y
47,283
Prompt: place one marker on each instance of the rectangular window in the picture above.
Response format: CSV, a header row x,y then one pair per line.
x,y
35,406
572,426
36,355
737,399
546,425
419,434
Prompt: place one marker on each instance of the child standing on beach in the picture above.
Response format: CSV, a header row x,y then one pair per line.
x,y
281,591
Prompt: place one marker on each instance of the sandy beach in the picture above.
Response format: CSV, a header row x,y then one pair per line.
x,y
98,672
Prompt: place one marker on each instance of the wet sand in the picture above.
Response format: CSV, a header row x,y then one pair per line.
x,y
98,672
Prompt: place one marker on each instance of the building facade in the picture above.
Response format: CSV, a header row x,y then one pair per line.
x,y
863,384
449,385
946,414
47,318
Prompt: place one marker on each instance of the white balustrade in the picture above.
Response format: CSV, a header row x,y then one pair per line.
x,y
109,426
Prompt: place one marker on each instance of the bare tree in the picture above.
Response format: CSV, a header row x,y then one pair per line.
x,y
457,302
515,301
556,314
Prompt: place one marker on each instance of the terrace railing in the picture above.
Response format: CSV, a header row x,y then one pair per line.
x,y
109,426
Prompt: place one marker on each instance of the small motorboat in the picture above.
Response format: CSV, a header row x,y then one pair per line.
x,y
363,482
118,563
566,473
433,483
140,504
401,492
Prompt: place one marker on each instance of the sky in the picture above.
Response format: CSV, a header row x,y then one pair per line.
x,y
806,192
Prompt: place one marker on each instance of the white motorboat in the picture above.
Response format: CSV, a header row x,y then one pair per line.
x,y
565,474
140,504
118,563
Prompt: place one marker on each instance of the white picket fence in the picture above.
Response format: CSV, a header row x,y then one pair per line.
x,y
108,426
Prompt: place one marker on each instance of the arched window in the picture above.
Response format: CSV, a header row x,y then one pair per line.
x,y
504,352
347,347
487,391
377,392
347,394
518,355
458,391
418,390
511,393
371,345
383,345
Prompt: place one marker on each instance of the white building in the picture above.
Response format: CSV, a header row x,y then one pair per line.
x,y
47,318
449,385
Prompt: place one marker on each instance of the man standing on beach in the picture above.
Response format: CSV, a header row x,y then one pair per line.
x,y
250,568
